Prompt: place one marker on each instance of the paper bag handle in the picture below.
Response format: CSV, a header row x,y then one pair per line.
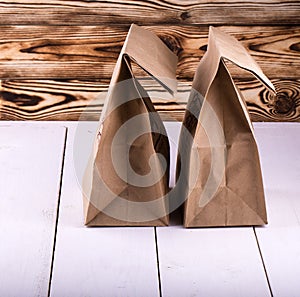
x,y
151,54
222,46
229,48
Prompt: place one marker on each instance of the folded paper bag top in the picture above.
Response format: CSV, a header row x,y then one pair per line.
x,y
126,180
220,168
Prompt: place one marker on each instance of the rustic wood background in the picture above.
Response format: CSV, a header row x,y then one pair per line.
x,y
56,57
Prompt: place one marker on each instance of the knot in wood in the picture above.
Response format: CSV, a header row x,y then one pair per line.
x,y
172,43
282,103
185,15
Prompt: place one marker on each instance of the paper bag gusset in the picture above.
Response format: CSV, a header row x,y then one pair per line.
x,y
219,161
126,180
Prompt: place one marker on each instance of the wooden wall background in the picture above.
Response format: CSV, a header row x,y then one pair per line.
x,y
57,56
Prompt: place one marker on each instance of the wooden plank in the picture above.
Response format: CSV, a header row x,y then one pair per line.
x,y
280,241
97,261
83,100
149,12
90,52
210,262
30,168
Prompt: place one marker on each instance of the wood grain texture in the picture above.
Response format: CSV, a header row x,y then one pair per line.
x,y
71,100
83,100
90,52
149,12
81,40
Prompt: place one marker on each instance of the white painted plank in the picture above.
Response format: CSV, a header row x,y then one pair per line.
x,y
279,146
98,261
210,262
30,168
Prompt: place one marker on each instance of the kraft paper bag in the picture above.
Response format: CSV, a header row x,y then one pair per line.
x,y
218,161
127,179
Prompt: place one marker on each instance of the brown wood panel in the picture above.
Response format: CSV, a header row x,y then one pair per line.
x,y
79,41
83,100
149,12
90,52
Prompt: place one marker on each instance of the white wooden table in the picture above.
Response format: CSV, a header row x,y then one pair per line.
x,y
46,251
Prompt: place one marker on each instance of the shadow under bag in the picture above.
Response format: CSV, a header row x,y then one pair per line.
x,y
218,161
127,179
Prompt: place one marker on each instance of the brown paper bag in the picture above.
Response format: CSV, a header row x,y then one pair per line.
x,y
218,161
126,180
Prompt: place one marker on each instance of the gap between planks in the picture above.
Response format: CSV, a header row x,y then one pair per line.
x,y
263,262
157,260
57,210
